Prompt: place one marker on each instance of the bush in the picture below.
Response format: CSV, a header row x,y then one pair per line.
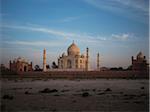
x,y
47,90
85,94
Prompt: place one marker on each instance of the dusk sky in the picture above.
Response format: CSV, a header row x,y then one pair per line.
x,y
117,29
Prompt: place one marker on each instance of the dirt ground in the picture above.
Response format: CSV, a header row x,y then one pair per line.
x,y
121,95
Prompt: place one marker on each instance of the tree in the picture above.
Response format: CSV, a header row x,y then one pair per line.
x,y
37,68
120,68
116,69
47,67
54,65
129,67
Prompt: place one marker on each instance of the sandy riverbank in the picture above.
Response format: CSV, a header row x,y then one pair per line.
x,y
74,95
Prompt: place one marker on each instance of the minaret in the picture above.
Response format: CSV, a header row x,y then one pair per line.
x,y
44,60
10,65
87,59
97,61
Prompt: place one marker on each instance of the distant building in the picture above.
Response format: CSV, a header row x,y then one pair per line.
x,y
73,60
20,65
140,63
3,68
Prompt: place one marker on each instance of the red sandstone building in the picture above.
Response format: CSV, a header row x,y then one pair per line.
x,y
20,65
140,63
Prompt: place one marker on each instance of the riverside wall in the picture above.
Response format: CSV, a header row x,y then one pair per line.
x,y
80,74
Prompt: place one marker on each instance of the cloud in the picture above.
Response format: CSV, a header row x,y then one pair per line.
x,y
33,43
38,29
134,9
69,19
65,35
85,37
136,4
123,37
122,4
3,14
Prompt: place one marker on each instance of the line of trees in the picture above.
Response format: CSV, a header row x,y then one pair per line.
x,y
53,66
121,68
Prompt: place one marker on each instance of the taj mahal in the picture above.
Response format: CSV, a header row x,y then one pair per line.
x,y
73,60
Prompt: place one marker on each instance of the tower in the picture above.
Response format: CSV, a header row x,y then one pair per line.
x,y
10,65
87,59
44,60
97,61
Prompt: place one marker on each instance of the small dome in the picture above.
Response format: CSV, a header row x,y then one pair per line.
x,y
20,59
140,55
73,49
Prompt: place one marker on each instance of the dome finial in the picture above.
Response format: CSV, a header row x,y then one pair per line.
x,y
73,42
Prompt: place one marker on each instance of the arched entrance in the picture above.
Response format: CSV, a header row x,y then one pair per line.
x,y
69,64
25,68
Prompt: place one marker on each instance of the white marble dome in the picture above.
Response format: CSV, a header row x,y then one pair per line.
x,y
21,59
73,49
140,55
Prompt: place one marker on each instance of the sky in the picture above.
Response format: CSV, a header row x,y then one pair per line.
x,y
117,29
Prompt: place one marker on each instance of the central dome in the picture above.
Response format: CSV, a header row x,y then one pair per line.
x,y
73,49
